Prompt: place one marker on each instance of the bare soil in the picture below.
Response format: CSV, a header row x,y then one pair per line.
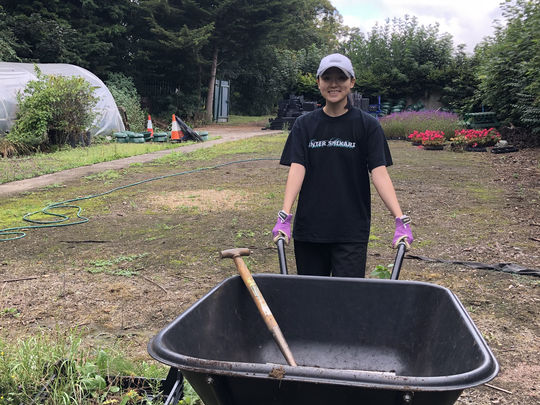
x,y
149,252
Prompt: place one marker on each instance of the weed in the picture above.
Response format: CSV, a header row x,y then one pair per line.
x,y
190,396
58,370
107,176
382,271
10,312
112,268
245,233
55,185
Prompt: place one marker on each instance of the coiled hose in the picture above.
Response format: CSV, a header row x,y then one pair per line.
x,y
61,218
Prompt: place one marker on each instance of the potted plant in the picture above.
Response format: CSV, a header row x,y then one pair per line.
x,y
476,140
433,140
415,138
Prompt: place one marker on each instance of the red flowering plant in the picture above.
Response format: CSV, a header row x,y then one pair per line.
x,y
433,138
476,137
427,138
416,137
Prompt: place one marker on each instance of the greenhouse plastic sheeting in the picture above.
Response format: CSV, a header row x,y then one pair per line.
x,y
15,76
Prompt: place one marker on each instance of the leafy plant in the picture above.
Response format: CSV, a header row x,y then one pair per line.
x,y
190,396
382,272
57,369
53,110
126,96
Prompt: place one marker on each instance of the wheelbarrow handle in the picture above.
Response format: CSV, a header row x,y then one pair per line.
x,y
280,243
401,248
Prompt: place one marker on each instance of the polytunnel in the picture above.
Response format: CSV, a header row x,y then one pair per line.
x,y
14,77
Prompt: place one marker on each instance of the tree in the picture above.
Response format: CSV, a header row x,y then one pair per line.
x,y
509,68
401,59
93,34
459,93
8,41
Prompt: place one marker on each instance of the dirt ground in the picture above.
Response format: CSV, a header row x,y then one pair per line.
x,y
149,252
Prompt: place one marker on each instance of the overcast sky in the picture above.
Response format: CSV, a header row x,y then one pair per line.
x,y
468,21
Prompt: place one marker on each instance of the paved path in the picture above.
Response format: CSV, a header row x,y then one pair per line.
x,y
225,133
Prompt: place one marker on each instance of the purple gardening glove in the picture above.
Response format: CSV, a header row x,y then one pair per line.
x,y
403,231
283,227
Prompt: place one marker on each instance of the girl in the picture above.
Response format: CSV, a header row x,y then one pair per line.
x,y
331,152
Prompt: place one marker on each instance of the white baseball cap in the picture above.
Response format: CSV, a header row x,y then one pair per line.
x,y
336,60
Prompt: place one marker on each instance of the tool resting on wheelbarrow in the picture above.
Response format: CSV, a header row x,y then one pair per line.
x,y
398,261
356,341
262,306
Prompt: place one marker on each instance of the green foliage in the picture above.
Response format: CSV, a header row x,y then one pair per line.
x,y
509,70
8,42
28,366
306,86
118,266
126,96
190,396
401,59
459,92
381,271
400,125
18,168
53,110
92,34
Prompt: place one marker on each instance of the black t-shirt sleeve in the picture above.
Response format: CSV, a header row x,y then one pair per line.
x,y
294,150
379,152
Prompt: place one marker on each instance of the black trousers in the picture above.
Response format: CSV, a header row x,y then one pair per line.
x,y
330,259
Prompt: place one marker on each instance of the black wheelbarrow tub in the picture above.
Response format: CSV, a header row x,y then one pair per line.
x,y
355,340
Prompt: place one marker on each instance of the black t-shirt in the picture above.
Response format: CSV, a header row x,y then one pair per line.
x,y
338,153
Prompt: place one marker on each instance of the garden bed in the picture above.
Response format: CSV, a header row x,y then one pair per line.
x,y
149,252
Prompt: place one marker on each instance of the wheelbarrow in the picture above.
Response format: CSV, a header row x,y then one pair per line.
x,y
355,341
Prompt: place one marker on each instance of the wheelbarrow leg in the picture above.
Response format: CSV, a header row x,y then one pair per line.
x,y
174,386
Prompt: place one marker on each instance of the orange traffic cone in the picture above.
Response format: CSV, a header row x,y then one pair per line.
x,y
149,127
176,133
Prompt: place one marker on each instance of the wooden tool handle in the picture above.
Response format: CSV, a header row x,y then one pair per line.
x,y
260,302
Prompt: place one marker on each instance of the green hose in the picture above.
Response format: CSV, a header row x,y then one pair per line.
x,y
18,231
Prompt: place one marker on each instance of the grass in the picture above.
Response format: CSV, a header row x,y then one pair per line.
x,y
19,168
262,145
57,369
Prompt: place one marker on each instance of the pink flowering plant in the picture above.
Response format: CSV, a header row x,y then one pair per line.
x,y
428,138
476,137
415,137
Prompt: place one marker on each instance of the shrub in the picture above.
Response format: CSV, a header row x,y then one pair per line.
x,y
125,95
53,110
400,125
